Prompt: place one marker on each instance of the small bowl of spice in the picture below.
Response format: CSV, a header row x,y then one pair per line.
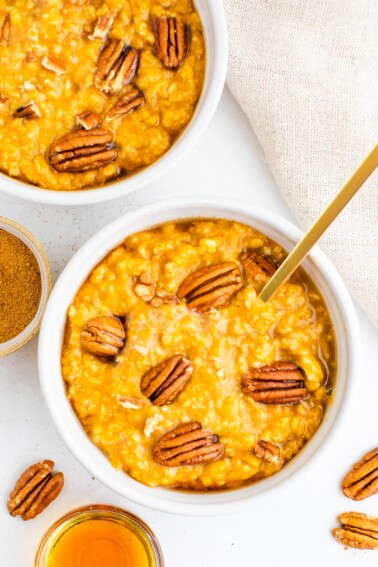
x,y
25,284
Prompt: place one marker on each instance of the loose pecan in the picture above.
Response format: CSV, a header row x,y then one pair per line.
x,y
277,383
116,67
268,451
103,336
210,287
54,63
171,41
128,103
362,480
36,488
28,111
4,28
88,119
256,265
147,290
187,444
82,150
163,383
102,27
3,99
357,530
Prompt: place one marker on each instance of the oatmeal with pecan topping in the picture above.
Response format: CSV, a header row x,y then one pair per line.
x,y
177,370
95,90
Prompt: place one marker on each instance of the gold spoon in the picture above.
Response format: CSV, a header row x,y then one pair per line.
x,y
299,253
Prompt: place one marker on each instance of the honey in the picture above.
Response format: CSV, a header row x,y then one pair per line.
x,y
98,542
99,536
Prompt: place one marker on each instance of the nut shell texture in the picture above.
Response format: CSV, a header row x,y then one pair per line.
x,y
362,480
277,383
163,383
187,444
82,150
171,41
357,530
103,336
36,488
211,287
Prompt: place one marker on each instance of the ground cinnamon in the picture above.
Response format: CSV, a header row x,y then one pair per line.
x,y
20,286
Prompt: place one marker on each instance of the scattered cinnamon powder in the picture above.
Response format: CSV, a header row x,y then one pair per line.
x,y
20,286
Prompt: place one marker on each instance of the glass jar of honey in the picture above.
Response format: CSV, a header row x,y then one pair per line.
x,y
99,536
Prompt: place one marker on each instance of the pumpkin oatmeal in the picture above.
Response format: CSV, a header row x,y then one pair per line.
x,y
95,90
180,374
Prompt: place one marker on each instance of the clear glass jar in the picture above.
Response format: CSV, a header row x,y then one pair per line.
x,y
86,535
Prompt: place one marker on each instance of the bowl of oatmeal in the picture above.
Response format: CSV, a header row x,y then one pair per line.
x,y
172,381
110,102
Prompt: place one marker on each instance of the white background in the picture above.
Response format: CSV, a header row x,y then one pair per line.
x,y
294,528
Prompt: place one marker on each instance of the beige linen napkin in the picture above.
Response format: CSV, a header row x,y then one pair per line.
x,y
306,74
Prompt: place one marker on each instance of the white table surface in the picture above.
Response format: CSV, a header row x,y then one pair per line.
x,y
294,528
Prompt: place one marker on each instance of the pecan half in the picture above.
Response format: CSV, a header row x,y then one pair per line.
x,y
128,103
36,488
187,444
256,265
4,28
362,480
102,27
163,383
210,287
277,383
171,41
88,119
103,336
54,63
147,290
28,111
357,530
82,150
268,451
116,67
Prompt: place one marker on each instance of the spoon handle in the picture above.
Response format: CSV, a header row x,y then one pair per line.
x,y
298,254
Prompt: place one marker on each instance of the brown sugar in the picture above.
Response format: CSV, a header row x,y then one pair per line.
x,y
20,286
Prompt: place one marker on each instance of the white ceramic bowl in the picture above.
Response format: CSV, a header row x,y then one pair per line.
x,y
50,343
215,31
